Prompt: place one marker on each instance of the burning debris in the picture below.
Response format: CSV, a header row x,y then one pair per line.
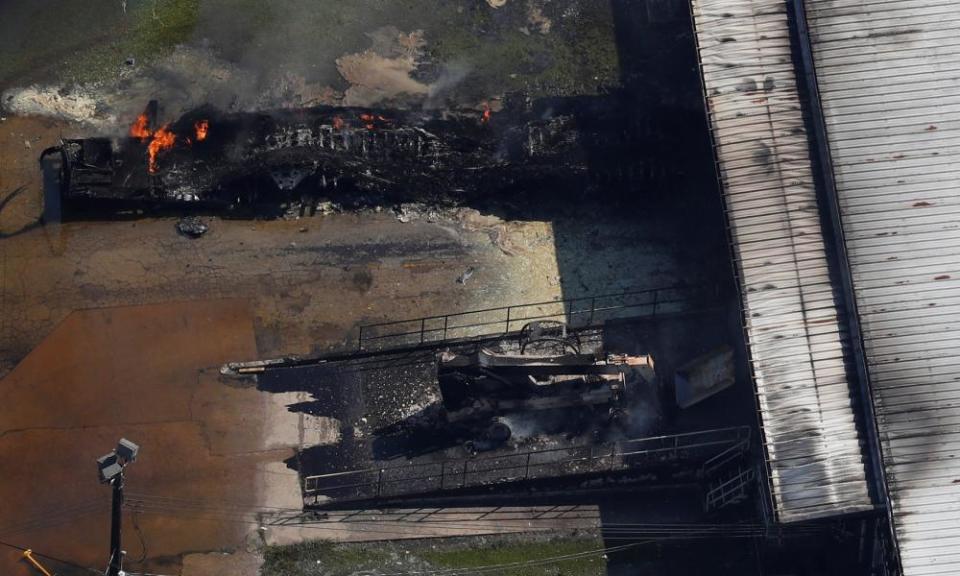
x,y
201,127
162,138
262,162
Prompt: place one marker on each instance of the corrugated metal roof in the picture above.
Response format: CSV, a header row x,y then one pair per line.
x,y
814,457
887,72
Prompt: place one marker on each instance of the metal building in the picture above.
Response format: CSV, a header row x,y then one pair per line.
x,y
793,325
888,75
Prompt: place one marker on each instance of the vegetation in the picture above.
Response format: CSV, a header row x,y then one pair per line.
x,y
577,56
67,40
524,555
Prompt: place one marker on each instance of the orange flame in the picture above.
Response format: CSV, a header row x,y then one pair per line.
x,y
139,128
486,113
367,120
337,122
201,127
163,139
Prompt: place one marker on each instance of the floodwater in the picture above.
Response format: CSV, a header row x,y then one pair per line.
x,y
147,373
116,328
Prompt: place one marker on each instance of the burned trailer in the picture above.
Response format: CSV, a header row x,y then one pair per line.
x,y
258,162
482,393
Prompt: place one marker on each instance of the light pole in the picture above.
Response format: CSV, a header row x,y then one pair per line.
x,y
110,470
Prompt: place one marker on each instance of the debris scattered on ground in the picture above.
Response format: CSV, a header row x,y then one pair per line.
x,y
71,105
405,213
326,208
536,18
384,70
462,279
192,227
415,211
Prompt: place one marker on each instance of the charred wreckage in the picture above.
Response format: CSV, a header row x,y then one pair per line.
x,y
257,162
479,392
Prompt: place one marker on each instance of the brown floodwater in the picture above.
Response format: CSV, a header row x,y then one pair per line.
x,y
147,373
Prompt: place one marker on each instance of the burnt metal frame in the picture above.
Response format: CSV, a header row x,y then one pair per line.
x,y
370,483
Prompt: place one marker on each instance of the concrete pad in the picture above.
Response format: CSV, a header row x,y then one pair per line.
x,y
396,524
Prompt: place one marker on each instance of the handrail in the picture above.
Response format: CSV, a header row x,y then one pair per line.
x,y
464,472
424,330
424,326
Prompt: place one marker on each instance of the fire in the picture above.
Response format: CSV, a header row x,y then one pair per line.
x,y
367,120
486,113
201,127
140,129
163,139
337,122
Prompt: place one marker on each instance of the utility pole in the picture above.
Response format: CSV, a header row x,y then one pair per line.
x,y
116,517
110,468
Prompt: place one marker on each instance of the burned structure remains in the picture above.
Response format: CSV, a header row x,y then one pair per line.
x,y
479,390
245,163
801,393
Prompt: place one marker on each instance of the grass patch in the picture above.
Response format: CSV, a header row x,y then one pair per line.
x,y
150,30
322,558
529,555
71,40
576,57
66,40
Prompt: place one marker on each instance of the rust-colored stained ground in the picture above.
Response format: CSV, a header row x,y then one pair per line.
x,y
133,372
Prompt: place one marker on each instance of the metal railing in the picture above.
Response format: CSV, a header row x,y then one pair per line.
x,y
730,490
420,478
475,324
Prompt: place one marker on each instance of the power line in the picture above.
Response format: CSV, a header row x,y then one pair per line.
x,y
622,529
49,557
57,515
524,563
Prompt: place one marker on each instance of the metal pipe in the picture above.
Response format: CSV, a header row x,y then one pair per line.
x,y
28,554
